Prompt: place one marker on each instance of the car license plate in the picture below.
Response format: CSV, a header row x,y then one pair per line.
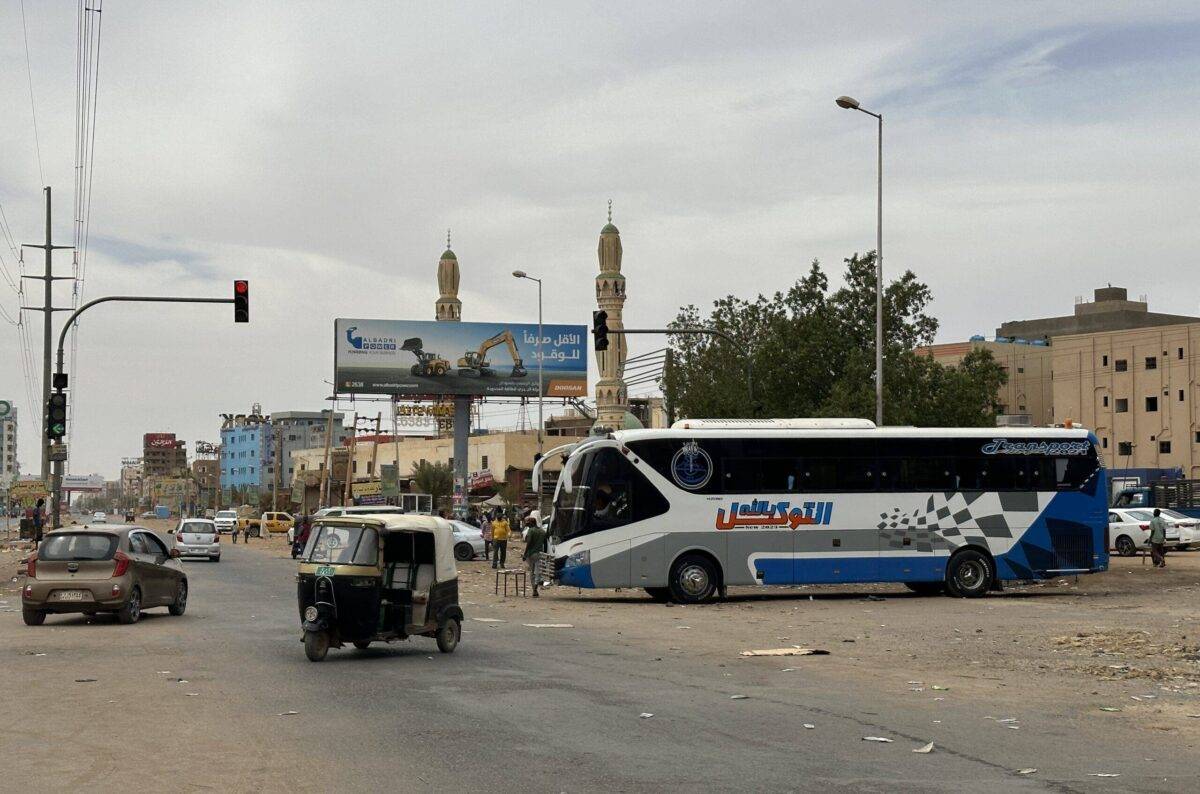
x,y
325,570
198,551
69,595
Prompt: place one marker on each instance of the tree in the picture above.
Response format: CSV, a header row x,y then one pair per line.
x,y
813,354
435,479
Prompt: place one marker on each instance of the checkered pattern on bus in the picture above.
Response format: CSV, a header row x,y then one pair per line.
x,y
949,519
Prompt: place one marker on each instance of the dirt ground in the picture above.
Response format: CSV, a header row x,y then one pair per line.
x,y
1122,646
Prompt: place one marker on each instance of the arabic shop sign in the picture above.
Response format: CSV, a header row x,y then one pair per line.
x,y
781,515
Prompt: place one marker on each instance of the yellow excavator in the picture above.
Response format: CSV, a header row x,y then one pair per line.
x,y
474,363
428,364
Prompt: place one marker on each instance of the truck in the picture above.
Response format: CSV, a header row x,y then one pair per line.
x,y
1182,496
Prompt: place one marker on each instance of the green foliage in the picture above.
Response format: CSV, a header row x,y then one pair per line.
x,y
813,354
434,478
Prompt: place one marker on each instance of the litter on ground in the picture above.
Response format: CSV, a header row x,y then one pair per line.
x,y
926,749
546,626
795,651
877,739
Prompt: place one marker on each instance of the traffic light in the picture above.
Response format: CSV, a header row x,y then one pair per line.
x,y
241,301
600,330
56,416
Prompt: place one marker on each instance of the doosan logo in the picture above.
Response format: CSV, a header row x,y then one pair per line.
x,y
370,343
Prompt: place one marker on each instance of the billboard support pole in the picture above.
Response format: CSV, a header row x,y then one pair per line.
x,y
462,435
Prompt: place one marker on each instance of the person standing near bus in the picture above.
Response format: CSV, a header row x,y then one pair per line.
x,y
1158,539
485,527
535,544
500,531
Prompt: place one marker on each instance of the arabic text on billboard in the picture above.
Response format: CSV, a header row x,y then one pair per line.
x,y
425,358
158,440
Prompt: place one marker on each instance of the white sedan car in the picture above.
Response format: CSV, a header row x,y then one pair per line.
x,y
1189,528
468,541
1129,530
99,517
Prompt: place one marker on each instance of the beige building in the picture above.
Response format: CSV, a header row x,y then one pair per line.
x,y
503,454
1138,390
1029,390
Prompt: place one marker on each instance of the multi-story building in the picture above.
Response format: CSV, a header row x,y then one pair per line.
x,y
1138,389
9,468
1111,310
1029,389
131,480
249,449
163,455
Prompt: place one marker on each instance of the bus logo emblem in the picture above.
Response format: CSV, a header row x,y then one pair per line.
x,y
691,467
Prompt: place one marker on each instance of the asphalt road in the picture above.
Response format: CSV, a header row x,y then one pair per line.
x,y
515,707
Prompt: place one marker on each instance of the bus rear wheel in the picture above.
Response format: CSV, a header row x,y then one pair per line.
x,y
693,579
969,574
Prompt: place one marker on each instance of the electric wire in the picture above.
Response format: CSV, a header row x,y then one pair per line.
x,y
32,104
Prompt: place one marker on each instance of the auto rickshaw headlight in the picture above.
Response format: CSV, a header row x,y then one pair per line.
x,y
311,614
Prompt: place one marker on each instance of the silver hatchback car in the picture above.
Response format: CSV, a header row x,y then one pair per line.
x,y
198,538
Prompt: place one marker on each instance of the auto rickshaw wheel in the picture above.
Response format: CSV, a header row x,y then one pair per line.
x,y
362,645
448,635
316,645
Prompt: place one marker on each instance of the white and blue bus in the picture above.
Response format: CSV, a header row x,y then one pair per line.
x,y
686,512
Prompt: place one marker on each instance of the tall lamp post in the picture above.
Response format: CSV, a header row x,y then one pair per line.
x,y
541,421
852,104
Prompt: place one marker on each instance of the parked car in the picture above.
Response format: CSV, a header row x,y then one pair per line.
x,y
468,541
1129,530
149,514
121,570
276,523
198,537
225,520
1189,528
99,517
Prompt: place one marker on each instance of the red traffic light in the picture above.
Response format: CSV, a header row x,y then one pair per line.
x,y
241,301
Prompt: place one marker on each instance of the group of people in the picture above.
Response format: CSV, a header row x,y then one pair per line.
x,y
496,533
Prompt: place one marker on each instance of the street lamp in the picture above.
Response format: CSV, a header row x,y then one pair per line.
x,y
850,103
541,421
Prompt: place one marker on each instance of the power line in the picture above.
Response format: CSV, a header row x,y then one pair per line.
x,y
32,105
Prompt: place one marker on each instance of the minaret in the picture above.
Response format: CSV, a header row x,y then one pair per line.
x,y
448,307
612,402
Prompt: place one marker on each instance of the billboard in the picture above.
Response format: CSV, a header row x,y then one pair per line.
x,y
158,440
88,483
425,358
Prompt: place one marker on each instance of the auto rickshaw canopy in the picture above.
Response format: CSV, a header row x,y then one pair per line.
x,y
385,525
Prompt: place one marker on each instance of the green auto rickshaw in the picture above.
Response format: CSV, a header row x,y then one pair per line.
x,y
378,578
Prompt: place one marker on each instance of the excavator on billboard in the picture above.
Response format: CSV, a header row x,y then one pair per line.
x,y
427,363
474,363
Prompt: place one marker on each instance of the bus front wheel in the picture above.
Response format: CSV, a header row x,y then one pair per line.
x,y
693,579
969,574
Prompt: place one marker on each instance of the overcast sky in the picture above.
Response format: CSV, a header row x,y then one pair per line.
x,y
1032,152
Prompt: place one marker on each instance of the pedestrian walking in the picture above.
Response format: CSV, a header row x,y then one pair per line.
x,y
234,531
1158,540
39,517
500,532
486,529
535,545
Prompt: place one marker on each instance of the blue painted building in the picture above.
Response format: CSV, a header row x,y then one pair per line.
x,y
250,444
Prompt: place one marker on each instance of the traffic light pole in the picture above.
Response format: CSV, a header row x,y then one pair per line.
x,y
56,478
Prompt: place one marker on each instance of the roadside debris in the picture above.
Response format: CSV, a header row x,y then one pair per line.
x,y
287,714
1104,774
85,680
739,697
645,715
809,726
793,651
877,739
1108,708
545,626
489,620
926,749
1028,771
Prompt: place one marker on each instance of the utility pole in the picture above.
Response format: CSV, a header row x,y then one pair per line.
x,y
47,331
328,462
347,489
278,463
375,449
